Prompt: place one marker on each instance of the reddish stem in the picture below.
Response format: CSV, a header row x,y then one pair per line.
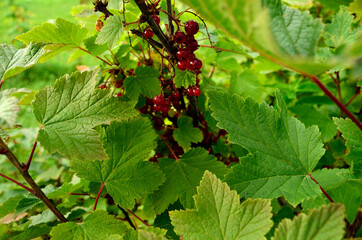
x,y
173,153
26,168
79,194
18,183
98,195
323,191
335,100
1,83
359,91
138,217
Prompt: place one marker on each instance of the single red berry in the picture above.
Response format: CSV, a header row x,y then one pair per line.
x,y
148,33
157,108
102,86
158,100
180,37
118,84
189,39
189,92
182,65
119,94
166,103
193,46
138,64
196,91
158,155
176,95
190,57
195,64
165,109
182,54
191,27
157,19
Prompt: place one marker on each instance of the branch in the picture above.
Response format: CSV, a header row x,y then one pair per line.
x,y
26,168
169,10
98,195
323,191
99,6
355,226
154,42
335,100
356,95
170,48
125,213
38,192
138,218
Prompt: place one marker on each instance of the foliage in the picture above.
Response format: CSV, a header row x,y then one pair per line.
x,y
240,120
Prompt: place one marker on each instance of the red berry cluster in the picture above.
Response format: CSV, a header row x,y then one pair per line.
x,y
185,55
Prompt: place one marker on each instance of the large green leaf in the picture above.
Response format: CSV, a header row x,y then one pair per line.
x,y
353,137
13,61
145,82
68,112
284,151
111,32
150,233
125,174
326,222
184,79
182,177
219,214
285,36
97,226
9,109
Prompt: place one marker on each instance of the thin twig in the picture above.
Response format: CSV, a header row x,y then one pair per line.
x,y
18,183
98,195
26,168
173,153
335,100
125,213
138,217
79,194
356,95
355,226
1,83
323,191
38,192
84,50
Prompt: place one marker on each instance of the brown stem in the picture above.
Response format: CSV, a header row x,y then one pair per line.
x,y
99,6
38,192
125,213
26,168
79,194
138,217
323,191
195,111
170,48
335,100
356,95
355,226
169,10
98,195
18,183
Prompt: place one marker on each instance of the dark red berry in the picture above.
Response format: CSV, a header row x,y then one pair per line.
x,y
196,91
102,86
157,19
190,57
119,94
179,37
195,64
182,54
193,46
157,108
167,103
189,39
158,155
158,100
165,109
118,84
191,27
182,65
189,92
148,33
176,95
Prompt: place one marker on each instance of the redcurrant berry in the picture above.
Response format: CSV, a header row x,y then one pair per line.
x,y
189,39
195,64
196,91
193,46
158,100
165,109
191,27
148,33
182,53
179,37
157,19
182,65
102,86
189,92
176,95
157,108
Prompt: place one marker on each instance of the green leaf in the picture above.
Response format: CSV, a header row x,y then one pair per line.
x,y
30,232
356,7
219,214
326,222
246,84
352,134
150,233
45,217
125,174
284,152
68,112
183,176
340,32
334,5
9,206
185,134
145,82
302,4
94,48
62,32
9,109
111,32
13,61
308,115
97,226
184,79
